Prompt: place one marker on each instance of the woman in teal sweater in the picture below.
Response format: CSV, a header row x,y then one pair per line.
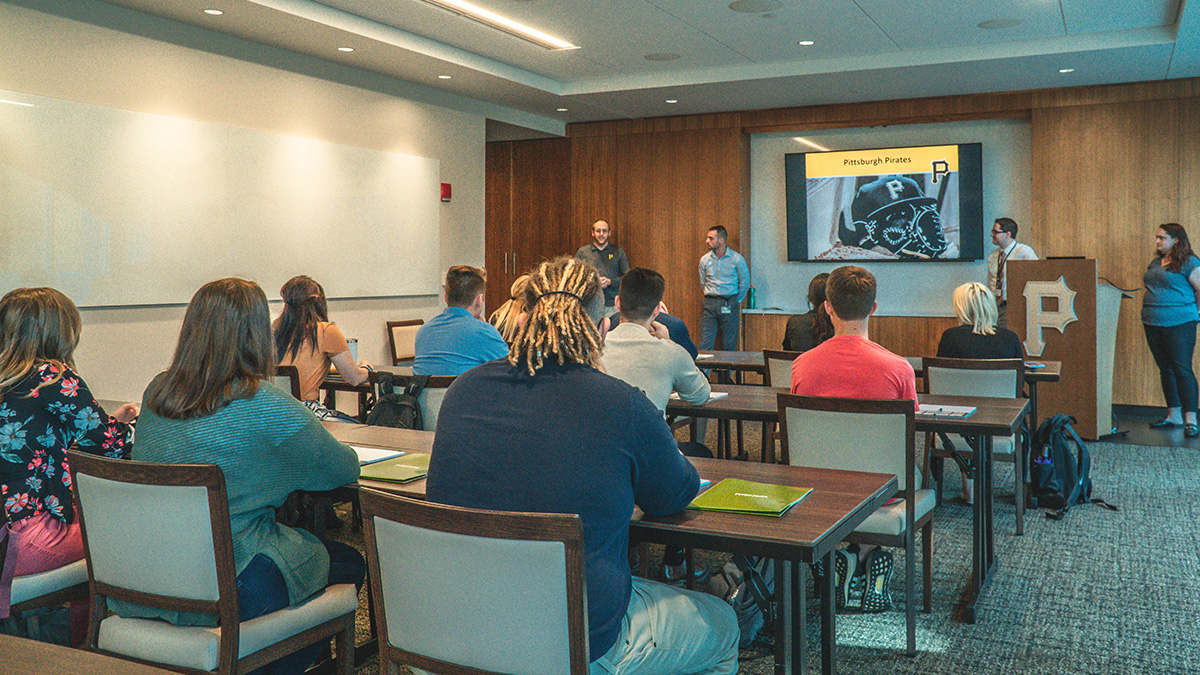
x,y
214,405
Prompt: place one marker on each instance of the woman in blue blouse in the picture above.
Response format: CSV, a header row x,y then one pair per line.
x,y
45,408
1169,315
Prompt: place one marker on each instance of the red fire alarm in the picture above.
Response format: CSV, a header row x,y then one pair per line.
x,y
445,192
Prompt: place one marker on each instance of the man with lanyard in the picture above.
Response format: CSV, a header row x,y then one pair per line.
x,y
1004,236
725,279
608,259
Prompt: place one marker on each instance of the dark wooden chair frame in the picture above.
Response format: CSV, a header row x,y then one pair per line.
x,y
293,375
225,607
964,458
906,540
771,432
396,358
564,528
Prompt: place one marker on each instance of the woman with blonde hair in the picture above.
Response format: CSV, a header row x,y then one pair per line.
x,y
216,405
505,318
978,336
305,338
45,408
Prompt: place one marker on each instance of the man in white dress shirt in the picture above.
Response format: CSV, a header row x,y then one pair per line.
x,y
1004,236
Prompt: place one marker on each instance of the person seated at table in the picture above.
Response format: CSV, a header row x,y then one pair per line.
x,y
45,408
215,405
677,330
458,339
849,365
978,337
639,352
546,430
805,331
505,318
305,338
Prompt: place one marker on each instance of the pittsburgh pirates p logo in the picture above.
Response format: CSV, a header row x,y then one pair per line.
x,y
940,169
1037,318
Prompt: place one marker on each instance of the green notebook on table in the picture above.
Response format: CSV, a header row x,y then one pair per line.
x,y
735,495
399,470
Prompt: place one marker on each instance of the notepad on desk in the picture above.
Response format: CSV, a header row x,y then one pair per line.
x,y
371,455
928,410
734,495
712,395
399,470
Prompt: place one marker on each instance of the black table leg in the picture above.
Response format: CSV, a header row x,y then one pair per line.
x,y
828,626
983,552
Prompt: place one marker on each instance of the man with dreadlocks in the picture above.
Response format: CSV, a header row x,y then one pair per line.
x,y
545,430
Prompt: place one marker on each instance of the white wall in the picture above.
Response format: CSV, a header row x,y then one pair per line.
x,y
905,289
123,347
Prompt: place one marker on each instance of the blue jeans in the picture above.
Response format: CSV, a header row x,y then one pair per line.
x,y
672,631
1172,348
261,590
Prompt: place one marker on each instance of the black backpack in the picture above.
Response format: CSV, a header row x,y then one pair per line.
x,y
402,410
748,584
1058,477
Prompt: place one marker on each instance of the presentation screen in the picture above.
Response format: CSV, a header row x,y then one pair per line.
x,y
893,204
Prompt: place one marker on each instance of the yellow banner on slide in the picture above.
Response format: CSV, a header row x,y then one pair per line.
x,y
929,159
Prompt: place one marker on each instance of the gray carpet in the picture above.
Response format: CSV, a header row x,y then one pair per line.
x,y
1098,592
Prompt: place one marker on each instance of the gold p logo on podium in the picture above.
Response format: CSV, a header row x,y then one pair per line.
x,y
1038,318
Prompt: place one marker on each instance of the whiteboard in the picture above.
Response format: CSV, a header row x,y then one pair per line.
x,y
114,207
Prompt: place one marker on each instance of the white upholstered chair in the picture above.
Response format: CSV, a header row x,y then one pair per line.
x,y
287,378
45,589
998,378
874,436
402,338
158,535
465,591
777,372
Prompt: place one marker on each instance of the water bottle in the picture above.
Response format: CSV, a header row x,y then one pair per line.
x,y
750,301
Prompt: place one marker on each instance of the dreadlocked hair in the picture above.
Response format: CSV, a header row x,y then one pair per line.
x,y
558,325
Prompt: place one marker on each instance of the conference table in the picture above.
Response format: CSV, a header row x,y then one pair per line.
x,y
992,417
839,502
19,656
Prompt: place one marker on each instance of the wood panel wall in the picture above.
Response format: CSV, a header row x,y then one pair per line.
x,y
1109,163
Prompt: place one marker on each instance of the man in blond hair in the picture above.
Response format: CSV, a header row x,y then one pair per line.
x,y
547,431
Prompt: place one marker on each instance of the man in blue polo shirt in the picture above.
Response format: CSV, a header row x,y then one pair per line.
x,y
458,339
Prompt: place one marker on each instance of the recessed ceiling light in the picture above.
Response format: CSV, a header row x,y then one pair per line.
x,y
755,6
214,12
996,24
806,43
672,100
1066,70
345,49
445,77
562,110
662,56
27,105
501,23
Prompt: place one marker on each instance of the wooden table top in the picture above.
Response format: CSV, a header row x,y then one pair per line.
x,y
993,416
839,502
408,440
19,656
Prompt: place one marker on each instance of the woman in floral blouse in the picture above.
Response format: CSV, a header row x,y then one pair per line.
x,y
45,408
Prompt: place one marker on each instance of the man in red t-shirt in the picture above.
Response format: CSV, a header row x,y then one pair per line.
x,y
849,365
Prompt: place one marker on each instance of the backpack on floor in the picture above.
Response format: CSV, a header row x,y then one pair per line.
x,y
1060,478
748,584
402,410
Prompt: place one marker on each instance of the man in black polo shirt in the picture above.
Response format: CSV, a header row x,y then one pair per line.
x,y
608,259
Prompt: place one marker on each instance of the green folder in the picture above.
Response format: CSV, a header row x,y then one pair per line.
x,y
404,469
734,495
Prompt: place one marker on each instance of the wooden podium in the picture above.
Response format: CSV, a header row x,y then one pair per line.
x,y
1062,314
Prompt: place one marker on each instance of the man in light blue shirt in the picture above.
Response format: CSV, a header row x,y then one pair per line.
x,y
458,339
725,279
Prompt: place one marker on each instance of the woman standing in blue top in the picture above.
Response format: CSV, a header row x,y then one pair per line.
x,y
1169,315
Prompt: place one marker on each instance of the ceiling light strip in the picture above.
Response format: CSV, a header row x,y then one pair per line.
x,y
500,23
